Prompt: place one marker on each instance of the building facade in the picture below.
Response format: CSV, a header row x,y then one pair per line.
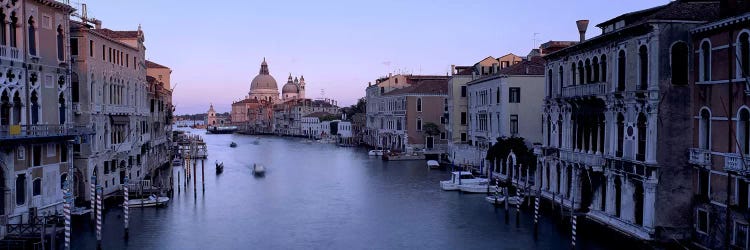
x,y
614,123
720,119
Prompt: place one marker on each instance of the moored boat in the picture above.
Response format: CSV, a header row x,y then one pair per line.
x,y
460,178
377,152
150,201
259,170
219,167
233,144
433,164
477,188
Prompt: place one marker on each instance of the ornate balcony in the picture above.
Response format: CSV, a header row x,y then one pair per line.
x,y
585,90
21,132
593,160
540,150
701,157
734,163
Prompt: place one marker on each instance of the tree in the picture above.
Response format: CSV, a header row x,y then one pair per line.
x,y
431,129
499,153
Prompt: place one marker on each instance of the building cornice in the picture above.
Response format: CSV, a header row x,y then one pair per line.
x,y
721,23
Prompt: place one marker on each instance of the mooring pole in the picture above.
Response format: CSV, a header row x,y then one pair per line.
x,y
195,188
66,209
507,199
126,206
203,175
93,198
178,182
99,217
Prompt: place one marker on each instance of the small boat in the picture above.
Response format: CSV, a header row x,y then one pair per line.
x,y
77,211
460,178
497,199
176,162
233,145
256,142
477,188
259,170
219,167
433,164
150,201
376,152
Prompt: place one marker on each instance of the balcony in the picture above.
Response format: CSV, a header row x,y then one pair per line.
x,y
118,110
593,160
10,53
591,89
540,150
734,163
21,132
700,157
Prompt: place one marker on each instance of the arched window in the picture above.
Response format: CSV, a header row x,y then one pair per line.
x,y
679,58
568,181
61,101
549,130
581,73
621,71
4,108
559,131
587,69
704,134
641,155
32,36
419,104
560,78
549,84
60,47
20,189
34,108
573,74
17,109
36,187
620,135
744,54
705,61
603,64
559,176
419,124
618,196
643,56
3,29
12,31
595,69
743,130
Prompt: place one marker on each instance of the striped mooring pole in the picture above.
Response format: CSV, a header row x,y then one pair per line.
x,y
518,213
99,217
573,234
126,205
93,197
66,211
536,215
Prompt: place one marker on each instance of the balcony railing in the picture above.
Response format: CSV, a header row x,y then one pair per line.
x,y
734,163
540,150
39,131
118,109
593,160
585,90
701,157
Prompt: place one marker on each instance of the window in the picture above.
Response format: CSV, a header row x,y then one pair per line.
x,y
36,187
703,183
32,37
514,124
595,69
739,236
560,77
463,137
621,71
104,53
704,126
740,196
63,153
549,83
573,74
37,156
705,61
744,55
603,64
74,46
463,118
702,221
60,46
21,189
514,95
587,69
497,95
641,154
13,37
419,124
91,48
21,153
419,104
442,135
3,26
581,73
743,131
63,179
463,91
620,135
643,55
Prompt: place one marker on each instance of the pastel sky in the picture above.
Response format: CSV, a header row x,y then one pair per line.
x,y
215,47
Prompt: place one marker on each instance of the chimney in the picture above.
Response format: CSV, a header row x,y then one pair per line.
x,y
453,69
97,23
582,26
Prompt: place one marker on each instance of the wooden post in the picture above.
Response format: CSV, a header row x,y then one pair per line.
x,y
93,197
42,234
99,217
203,175
66,208
126,205
507,200
178,182
195,188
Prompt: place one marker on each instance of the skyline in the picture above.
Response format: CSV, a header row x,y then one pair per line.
x,y
305,38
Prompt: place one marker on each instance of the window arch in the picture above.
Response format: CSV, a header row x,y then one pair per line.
x,y
704,133
643,63
36,187
32,36
595,69
419,104
587,69
743,54
34,107
743,130
560,77
3,29
20,189
581,73
549,84
705,61
60,47
642,137
679,59
621,70
17,109
12,31
5,108
573,74
603,64
419,124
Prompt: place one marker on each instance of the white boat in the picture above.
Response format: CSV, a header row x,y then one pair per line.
x,y
259,169
177,162
477,188
377,152
432,164
150,201
498,199
460,178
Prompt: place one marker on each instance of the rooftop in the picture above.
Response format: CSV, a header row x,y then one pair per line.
x,y
153,65
433,87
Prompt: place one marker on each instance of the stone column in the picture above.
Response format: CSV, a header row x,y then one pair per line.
x,y
651,129
649,198
610,203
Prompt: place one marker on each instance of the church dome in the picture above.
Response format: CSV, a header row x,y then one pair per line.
x,y
264,80
290,87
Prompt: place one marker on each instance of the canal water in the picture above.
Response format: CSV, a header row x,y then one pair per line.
x,y
320,196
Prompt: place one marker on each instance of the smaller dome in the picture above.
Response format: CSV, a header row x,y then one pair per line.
x,y
290,88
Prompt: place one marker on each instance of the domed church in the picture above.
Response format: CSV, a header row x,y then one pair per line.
x,y
263,86
293,89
